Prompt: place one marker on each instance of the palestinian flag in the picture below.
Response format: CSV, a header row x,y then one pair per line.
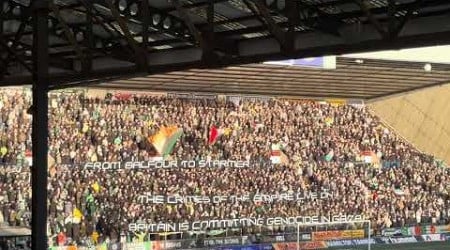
x,y
165,139
329,156
275,154
215,133
399,192
370,157
29,157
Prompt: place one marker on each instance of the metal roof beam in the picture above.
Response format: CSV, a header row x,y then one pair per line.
x,y
71,6
117,50
60,63
305,14
179,32
246,30
363,4
140,54
392,9
346,15
324,46
323,21
67,31
384,9
24,21
88,39
191,5
396,29
393,27
176,32
205,2
206,38
92,12
223,44
188,22
208,55
425,26
259,8
293,16
13,55
3,64
340,16
145,24
145,19
54,61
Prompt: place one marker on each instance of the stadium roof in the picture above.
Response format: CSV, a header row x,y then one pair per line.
x,y
114,38
353,78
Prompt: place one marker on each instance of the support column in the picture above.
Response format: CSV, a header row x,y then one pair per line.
x,y
40,125
3,66
88,39
209,56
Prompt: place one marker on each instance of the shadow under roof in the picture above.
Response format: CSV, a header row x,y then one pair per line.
x,y
99,39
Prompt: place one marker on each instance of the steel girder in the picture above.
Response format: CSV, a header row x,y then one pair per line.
x,y
91,38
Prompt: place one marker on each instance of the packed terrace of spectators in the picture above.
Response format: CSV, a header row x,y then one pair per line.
x,y
82,203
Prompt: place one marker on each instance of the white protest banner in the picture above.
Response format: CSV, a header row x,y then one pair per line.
x,y
216,199
161,164
239,223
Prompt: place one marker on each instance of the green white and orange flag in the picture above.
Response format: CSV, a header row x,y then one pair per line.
x,y
164,141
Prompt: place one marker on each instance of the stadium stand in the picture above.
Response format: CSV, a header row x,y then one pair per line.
x,y
325,146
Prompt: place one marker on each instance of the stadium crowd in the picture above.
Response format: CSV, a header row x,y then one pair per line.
x,y
322,142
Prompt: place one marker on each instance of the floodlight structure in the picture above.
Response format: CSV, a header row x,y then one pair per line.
x,y
55,44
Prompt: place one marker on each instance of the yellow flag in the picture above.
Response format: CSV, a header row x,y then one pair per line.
x,y
96,187
85,128
329,121
77,213
227,131
94,237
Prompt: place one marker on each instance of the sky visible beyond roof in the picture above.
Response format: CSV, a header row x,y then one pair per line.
x,y
438,54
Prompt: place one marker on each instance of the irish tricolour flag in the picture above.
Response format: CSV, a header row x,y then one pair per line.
x,y
164,141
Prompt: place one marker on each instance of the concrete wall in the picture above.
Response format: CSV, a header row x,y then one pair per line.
x,y
421,117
